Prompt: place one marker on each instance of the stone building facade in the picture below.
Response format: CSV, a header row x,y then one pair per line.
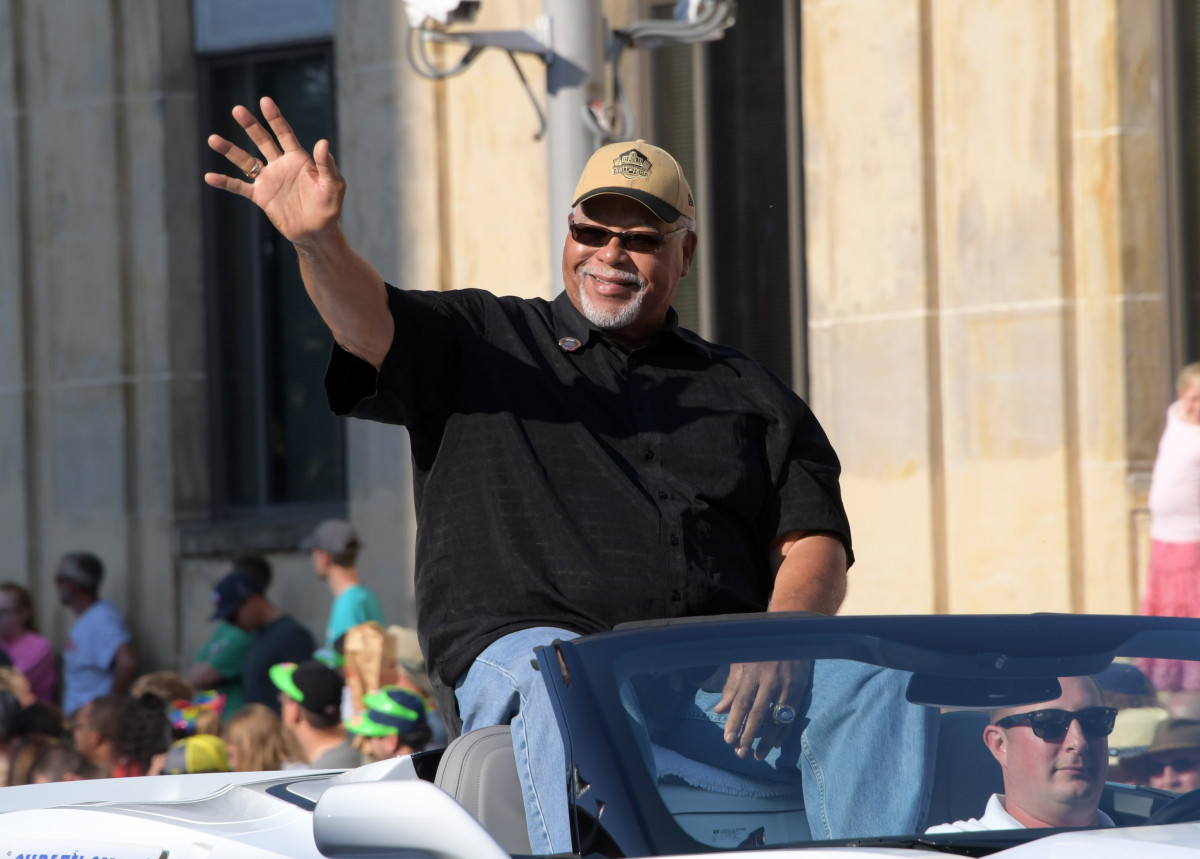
x,y
947,223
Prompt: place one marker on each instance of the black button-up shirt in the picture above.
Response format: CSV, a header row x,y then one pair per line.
x,y
561,480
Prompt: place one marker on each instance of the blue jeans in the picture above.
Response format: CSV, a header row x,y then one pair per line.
x,y
862,755
865,756
502,687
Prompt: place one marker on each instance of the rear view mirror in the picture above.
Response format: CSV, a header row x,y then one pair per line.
x,y
974,693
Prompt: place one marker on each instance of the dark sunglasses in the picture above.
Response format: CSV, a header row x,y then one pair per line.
x,y
1052,725
636,241
1180,766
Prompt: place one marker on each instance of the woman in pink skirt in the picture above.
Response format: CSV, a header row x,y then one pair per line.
x,y
1173,580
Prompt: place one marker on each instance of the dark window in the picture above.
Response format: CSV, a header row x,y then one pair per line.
x,y
1187,32
747,170
738,140
274,441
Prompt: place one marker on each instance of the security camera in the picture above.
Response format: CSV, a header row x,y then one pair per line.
x,y
442,11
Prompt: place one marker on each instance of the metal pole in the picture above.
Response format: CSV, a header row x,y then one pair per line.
x,y
574,76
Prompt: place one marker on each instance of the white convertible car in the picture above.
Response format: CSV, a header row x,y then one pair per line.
x,y
649,773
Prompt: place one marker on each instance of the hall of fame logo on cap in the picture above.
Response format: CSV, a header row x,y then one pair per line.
x,y
632,165
569,344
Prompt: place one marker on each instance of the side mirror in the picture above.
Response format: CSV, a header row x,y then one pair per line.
x,y
403,817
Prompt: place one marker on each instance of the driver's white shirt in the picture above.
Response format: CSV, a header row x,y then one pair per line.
x,y
996,816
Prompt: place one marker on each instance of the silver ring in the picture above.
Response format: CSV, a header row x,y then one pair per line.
x,y
783,714
253,172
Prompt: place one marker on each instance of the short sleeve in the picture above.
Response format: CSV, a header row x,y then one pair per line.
x,y
109,633
226,651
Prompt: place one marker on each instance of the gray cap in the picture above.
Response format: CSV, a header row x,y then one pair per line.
x,y
83,568
334,536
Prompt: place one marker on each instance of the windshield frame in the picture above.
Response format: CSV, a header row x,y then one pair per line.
x,y
615,803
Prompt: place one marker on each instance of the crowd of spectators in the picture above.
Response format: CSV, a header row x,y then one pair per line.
x,y
259,695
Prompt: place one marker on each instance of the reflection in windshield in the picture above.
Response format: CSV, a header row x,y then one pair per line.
x,y
814,777
873,751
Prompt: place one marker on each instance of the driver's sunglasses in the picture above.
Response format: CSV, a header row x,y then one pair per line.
x,y
1052,725
635,241
1182,765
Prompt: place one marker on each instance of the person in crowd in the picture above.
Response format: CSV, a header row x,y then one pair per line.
x,y
98,658
143,733
571,443
1054,759
395,723
1130,692
1184,704
219,661
1124,686
413,674
200,753
23,732
334,546
42,718
311,696
10,708
1171,589
61,762
31,652
200,715
1130,739
94,729
276,636
1172,761
12,680
167,685
257,741
24,754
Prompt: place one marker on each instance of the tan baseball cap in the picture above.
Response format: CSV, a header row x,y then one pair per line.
x,y
640,171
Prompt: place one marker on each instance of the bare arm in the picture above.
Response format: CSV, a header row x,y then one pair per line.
x,y
125,664
302,195
203,676
810,575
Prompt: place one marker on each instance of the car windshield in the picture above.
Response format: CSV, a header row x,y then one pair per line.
x,y
986,730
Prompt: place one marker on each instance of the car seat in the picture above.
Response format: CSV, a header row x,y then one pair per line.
x,y
478,769
965,773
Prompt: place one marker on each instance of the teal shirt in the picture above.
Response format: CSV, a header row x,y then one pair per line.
x,y
224,652
357,604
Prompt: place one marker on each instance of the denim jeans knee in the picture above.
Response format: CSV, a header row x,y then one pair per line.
x,y
502,687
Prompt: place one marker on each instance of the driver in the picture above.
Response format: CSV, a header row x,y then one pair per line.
x,y
1054,757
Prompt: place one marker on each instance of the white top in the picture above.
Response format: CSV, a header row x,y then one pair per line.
x,y
996,816
1175,484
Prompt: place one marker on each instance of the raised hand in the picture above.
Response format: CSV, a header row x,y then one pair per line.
x,y
301,194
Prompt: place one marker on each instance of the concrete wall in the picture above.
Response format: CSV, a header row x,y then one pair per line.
x,y
987,306
102,359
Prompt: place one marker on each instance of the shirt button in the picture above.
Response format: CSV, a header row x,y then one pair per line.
x,y
662,493
676,596
674,540
648,455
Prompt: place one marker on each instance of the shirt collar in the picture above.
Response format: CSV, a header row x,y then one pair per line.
x,y
569,322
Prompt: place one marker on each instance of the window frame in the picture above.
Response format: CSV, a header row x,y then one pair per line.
x,y
274,523
793,155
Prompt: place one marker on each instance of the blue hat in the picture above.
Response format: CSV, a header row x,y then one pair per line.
x,y
231,592
391,710
1126,679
